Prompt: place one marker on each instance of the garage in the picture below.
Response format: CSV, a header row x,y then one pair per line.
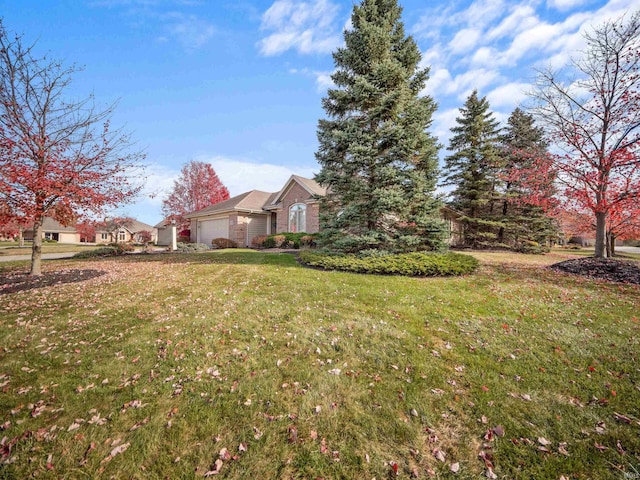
x,y
210,229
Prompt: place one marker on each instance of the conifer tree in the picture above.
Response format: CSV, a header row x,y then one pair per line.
x,y
377,159
528,185
472,169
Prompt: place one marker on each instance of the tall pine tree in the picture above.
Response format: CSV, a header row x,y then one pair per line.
x,y
472,169
377,159
529,191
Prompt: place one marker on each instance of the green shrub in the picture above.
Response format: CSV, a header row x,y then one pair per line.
x,y
98,252
122,248
269,242
192,247
529,246
286,240
416,264
223,243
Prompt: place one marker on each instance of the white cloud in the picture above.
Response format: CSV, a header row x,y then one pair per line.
x,y
465,40
565,4
307,27
241,175
189,31
443,120
522,17
438,81
508,96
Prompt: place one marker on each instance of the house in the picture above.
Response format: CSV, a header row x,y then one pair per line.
x,y
53,230
295,208
129,231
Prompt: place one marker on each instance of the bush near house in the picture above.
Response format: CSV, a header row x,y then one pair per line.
x,y
284,240
108,251
192,247
223,243
416,264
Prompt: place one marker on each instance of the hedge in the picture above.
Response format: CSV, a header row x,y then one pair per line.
x,y
417,264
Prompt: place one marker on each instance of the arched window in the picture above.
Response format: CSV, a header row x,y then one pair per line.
x,y
297,217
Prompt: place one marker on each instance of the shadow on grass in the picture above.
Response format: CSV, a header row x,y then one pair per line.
x,y
20,282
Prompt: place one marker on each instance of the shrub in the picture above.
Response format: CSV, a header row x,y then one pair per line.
x,y
529,246
279,240
258,242
308,241
122,248
269,242
191,247
223,243
183,239
415,264
286,240
98,252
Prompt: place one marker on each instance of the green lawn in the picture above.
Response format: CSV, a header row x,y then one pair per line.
x,y
12,248
167,364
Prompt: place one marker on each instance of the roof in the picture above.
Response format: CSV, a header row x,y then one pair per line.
x,y
311,186
51,225
135,226
256,201
251,201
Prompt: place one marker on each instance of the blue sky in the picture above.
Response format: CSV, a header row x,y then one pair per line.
x,y
239,83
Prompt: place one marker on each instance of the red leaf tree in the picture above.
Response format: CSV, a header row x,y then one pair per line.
x,y
58,156
594,121
197,187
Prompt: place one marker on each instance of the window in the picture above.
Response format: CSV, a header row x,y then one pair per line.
x,y
122,236
297,217
104,236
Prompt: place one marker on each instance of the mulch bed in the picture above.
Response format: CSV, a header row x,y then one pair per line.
x,y
19,282
609,269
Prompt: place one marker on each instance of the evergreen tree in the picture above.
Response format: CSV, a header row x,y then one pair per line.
x,y
377,159
528,185
472,169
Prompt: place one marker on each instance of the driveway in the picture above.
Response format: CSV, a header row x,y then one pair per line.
x,y
628,249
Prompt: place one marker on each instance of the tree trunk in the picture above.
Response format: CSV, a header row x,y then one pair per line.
x,y
36,250
601,235
612,245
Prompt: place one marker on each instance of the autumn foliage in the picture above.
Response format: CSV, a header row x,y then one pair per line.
x,y
58,158
197,187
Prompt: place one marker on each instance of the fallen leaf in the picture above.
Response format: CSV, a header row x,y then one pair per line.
x,y
439,454
454,467
543,441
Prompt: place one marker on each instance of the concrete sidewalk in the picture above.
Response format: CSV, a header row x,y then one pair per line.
x,y
45,256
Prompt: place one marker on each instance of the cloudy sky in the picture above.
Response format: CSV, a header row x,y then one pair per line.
x,y
238,83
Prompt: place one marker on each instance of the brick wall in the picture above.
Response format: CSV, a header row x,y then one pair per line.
x,y
298,194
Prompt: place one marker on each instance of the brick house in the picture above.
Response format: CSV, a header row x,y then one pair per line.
x,y
295,208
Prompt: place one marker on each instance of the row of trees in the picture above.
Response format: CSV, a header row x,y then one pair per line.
x,y
380,163
503,179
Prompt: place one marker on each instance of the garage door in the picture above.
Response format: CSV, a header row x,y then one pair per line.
x,y
210,229
257,226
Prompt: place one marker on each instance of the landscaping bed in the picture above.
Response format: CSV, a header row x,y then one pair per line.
x,y
609,269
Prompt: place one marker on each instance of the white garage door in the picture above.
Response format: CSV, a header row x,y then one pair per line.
x,y
210,229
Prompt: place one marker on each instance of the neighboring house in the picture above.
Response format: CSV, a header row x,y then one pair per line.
x,y
130,233
53,230
295,208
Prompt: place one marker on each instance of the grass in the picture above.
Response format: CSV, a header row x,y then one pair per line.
x,y
167,362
